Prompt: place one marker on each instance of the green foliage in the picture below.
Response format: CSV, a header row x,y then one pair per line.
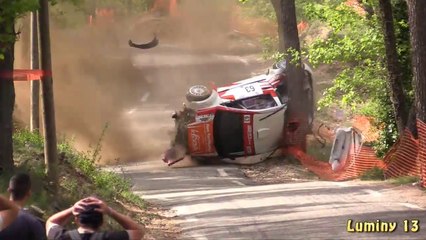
x,y
264,8
405,180
10,11
259,8
108,185
373,174
353,39
269,46
74,13
23,138
356,44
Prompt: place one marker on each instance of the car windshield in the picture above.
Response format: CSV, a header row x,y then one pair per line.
x,y
254,103
228,133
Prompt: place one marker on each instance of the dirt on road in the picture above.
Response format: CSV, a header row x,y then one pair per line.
x,y
278,170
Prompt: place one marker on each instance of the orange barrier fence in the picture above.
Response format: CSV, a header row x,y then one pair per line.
x,y
24,74
402,158
406,158
421,157
354,167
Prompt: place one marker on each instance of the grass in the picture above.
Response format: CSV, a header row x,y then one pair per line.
x,y
317,150
80,176
373,174
404,180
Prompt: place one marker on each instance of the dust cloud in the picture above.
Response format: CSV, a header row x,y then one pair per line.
x,y
97,83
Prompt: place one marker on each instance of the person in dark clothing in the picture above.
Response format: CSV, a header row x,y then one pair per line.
x,y
25,226
89,217
8,212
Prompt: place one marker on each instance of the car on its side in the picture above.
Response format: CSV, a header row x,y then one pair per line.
x,y
240,123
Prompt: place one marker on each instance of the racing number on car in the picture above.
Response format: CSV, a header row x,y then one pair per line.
x,y
250,88
246,91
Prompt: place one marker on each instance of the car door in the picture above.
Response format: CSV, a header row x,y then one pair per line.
x,y
268,127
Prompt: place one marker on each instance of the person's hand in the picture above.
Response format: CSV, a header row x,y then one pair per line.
x,y
103,207
82,204
78,207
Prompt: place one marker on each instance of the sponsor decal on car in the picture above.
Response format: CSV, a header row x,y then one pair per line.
x,y
247,119
248,135
200,138
204,117
195,140
209,137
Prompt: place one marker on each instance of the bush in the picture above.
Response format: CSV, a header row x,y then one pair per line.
x,y
373,174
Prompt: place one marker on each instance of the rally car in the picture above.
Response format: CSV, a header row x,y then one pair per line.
x,y
240,123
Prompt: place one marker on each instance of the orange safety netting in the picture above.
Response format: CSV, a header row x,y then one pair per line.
x,y
401,160
421,157
355,164
406,158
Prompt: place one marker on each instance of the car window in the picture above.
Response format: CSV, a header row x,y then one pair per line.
x,y
228,133
259,102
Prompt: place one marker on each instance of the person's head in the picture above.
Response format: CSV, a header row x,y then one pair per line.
x,y
90,218
20,187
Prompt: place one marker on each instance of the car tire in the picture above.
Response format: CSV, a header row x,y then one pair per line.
x,y
198,93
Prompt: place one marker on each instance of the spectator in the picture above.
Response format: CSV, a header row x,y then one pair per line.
x,y
88,215
26,226
8,213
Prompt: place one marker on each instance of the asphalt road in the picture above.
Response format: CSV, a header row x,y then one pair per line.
x,y
217,202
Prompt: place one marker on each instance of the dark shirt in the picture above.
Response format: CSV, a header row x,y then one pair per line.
x,y
57,232
25,227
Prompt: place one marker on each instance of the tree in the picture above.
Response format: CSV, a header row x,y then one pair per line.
x,y
290,47
416,10
9,12
395,75
7,94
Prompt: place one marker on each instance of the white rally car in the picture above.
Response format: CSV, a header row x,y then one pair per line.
x,y
241,123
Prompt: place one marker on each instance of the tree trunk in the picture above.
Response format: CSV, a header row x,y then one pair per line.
x,y
7,98
416,11
35,85
395,78
412,121
50,146
288,33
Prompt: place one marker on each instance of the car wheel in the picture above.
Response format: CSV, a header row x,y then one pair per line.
x,y
198,93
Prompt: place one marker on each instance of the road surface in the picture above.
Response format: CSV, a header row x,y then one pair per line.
x,y
217,202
